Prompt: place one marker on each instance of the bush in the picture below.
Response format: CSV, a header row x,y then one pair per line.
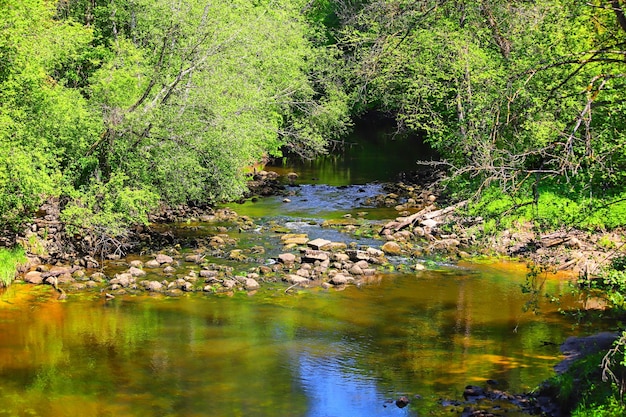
x,y
104,212
10,259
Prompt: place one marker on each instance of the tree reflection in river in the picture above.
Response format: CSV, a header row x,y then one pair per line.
x,y
315,353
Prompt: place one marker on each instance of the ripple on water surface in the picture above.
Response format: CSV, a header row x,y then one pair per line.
x,y
316,201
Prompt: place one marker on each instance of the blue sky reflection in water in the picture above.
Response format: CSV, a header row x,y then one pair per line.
x,y
334,391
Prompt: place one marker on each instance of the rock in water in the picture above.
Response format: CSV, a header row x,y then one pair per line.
x,y
402,402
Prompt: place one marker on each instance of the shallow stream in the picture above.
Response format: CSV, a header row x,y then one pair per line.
x,y
314,353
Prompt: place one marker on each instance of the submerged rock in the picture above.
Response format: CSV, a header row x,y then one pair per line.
x,y
402,402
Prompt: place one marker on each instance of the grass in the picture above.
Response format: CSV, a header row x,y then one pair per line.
x,y
9,260
555,207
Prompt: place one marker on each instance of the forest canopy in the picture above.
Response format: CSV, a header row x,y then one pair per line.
x,y
115,105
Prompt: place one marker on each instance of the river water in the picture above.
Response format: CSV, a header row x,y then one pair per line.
x,y
312,353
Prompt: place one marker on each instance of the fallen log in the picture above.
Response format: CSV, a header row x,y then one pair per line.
x,y
424,214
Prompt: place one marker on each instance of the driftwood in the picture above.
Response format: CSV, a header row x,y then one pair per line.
x,y
424,214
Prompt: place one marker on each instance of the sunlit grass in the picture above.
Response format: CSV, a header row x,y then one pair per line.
x,y
9,260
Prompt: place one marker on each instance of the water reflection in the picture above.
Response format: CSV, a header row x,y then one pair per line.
x,y
336,389
314,354
374,151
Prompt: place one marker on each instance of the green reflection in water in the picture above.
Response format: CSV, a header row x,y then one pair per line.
x,y
374,151
314,354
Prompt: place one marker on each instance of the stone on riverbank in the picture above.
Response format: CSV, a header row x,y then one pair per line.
x,y
309,255
153,286
340,279
153,263
136,263
294,239
297,280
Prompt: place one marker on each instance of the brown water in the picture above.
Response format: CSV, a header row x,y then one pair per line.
x,y
315,353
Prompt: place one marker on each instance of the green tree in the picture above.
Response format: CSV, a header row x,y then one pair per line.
x,y
196,92
508,92
113,104
44,127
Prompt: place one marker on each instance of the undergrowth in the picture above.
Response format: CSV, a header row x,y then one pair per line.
x,y
9,261
550,207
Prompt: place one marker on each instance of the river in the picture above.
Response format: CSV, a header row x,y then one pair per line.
x,y
309,353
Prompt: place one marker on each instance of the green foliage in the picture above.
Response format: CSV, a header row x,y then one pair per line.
x,y
549,206
610,284
44,127
107,208
582,391
176,97
10,259
503,93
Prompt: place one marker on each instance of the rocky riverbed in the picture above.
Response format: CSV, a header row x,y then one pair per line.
x,y
197,249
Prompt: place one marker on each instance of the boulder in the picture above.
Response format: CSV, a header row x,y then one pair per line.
x,y
136,263
356,270
33,277
362,264
123,280
229,284
319,243
402,402
169,270
208,273
251,284
314,255
174,292
305,273
136,272
430,223
236,255
153,263
164,259
287,258
194,258
377,253
154,286
297,279
340,257
294,239
97,277
358,255
337,246
392,248
339,279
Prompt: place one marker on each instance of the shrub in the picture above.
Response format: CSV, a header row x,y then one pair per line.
x,y
10,259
